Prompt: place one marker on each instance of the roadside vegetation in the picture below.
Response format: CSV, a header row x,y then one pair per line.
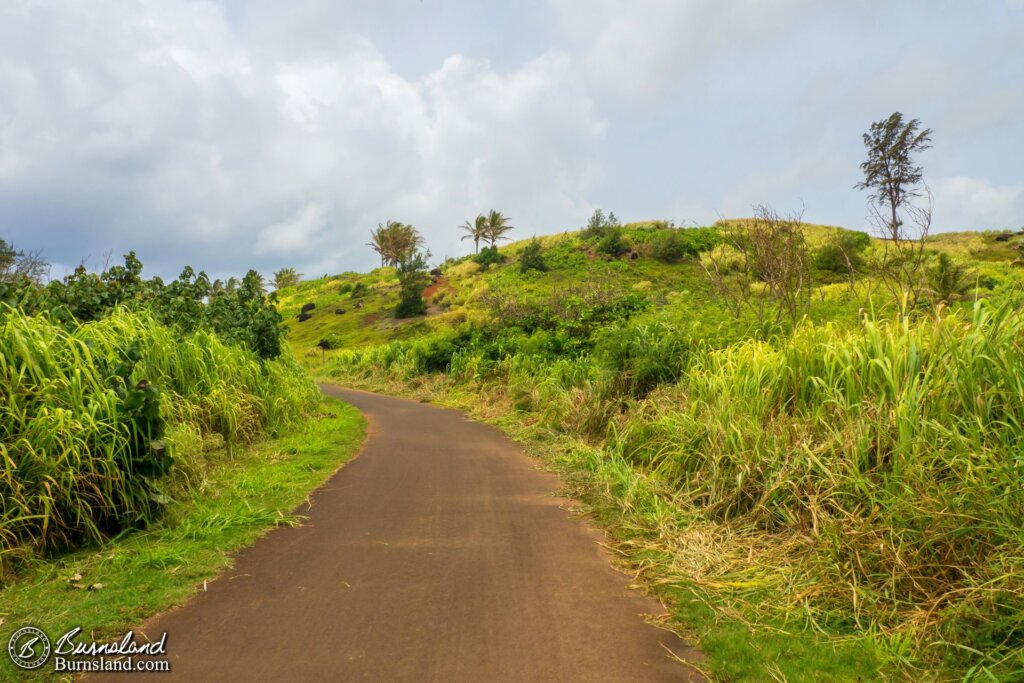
x,y
135,417
230,500
803,438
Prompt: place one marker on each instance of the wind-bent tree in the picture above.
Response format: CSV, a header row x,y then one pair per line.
x,y
394,241
476,230
894,181
286,277
497,226
379,241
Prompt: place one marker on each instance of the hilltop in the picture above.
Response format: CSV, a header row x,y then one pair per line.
x,y
354,310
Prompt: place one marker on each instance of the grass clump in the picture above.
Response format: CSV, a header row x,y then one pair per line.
x,y
94,415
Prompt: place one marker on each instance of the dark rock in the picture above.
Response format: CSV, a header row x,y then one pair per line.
x,y
1004,237
359,304
436,272
307,307
340,311
634,256
303,317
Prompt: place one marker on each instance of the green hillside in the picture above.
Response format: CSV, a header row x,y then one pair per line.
x,y
800,438
678,291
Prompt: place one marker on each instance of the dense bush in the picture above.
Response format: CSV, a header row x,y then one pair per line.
x,y
90,417
487,257
642,356
599,223
532,257
843,252
947,279
612,243
672,245
330,342
241,313
412,279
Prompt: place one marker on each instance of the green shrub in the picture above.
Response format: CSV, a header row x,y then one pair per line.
x,y
412,279
612,243
643,356
487,257
843,251
670,247
331,342
359,290
345,288
532,257
947,279
599,223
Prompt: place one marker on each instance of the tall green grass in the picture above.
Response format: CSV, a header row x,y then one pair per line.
x,y
68,473
867,481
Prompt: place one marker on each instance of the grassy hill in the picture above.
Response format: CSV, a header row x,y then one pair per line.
x,y
823,493
354,310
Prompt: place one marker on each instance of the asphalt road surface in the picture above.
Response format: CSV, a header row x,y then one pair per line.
x,y
439,554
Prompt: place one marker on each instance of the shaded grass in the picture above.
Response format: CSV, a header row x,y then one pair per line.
x,y
237,500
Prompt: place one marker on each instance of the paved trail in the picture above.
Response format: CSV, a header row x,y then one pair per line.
x,y
438,554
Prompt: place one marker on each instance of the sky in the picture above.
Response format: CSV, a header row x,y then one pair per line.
x,y
262,134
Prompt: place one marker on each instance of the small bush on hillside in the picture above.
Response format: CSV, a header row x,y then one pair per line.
x,y
487,257
643,356
345,288
948,280
359,290
670,247
843,253
613,243
331,342
532,257
599,223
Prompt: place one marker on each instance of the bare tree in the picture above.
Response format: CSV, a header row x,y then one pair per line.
x,y
772,277
18,265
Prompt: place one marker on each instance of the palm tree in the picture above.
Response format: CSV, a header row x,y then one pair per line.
x,y
497,226
476,231
379,241
286,277
394,241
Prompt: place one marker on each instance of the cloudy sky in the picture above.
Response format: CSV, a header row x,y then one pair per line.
x,y
260,133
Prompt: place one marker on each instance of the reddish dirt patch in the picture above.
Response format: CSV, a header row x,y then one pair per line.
x,y
432,289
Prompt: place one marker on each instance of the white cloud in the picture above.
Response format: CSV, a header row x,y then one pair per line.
x,y
162,127
262,134
295,234
965,203
643,46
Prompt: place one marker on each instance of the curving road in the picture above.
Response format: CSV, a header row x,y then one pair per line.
x,y
439,554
